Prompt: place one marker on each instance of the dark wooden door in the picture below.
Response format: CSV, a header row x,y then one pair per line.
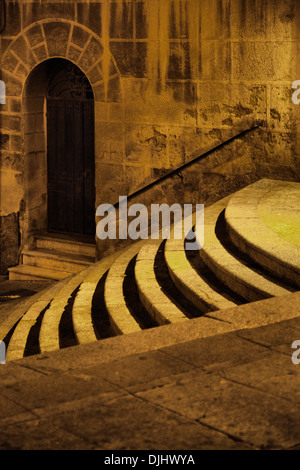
x,y
70,146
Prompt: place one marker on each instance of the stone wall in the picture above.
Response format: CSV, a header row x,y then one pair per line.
x,y
171,79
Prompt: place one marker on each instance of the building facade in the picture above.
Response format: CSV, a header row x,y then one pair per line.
x,y
103,97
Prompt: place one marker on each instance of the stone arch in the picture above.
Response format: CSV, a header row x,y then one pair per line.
x,y
69,40
33,47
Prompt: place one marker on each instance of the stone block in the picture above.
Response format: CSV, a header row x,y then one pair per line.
x,y
189,142
116,112
94,75
34,142
12,161
110,183
22,50
9,234
10,62
121,20
114,92
145,103
92,54
4,44
141,20
136,178
109,131
101,112
73,54
283,112
40,53
13,19
147,145
215,19
103,152
184,92
116,152
249,21
223,104
21,72
37,11
4,141
16,143
179,65
274,20
283,20
13,85
99,92
15,105
57,35
90,15
130,57
79,36
215,60
258,60
35,35
11,123
11,191
178,23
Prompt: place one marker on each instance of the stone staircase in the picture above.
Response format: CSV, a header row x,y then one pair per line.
x,y
247,256
54,257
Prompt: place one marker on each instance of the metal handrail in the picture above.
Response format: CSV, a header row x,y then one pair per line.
x,y
186,165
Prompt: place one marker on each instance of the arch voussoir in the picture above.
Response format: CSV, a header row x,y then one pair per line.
x,y
57,35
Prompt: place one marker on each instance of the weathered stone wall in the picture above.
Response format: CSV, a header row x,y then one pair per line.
x,y
171,79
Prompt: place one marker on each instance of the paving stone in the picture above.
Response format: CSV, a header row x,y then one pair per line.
x,y
277,376
39,435
277,334
137,371
221,351
9,407
55,389
144,427
240,411
11,373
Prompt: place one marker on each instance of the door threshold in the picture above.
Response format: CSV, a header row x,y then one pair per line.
x,y
68,236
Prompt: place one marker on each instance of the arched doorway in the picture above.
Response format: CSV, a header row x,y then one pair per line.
x,y
70,151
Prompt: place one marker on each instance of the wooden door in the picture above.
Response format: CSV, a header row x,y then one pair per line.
x,y
70,157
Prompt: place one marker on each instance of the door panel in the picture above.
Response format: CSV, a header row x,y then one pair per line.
x,y
71,193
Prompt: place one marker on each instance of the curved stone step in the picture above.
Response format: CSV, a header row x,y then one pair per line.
x,y
18,312
187,279
17,344
49,333
240,278
82,307
156,302
251,235
121,318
